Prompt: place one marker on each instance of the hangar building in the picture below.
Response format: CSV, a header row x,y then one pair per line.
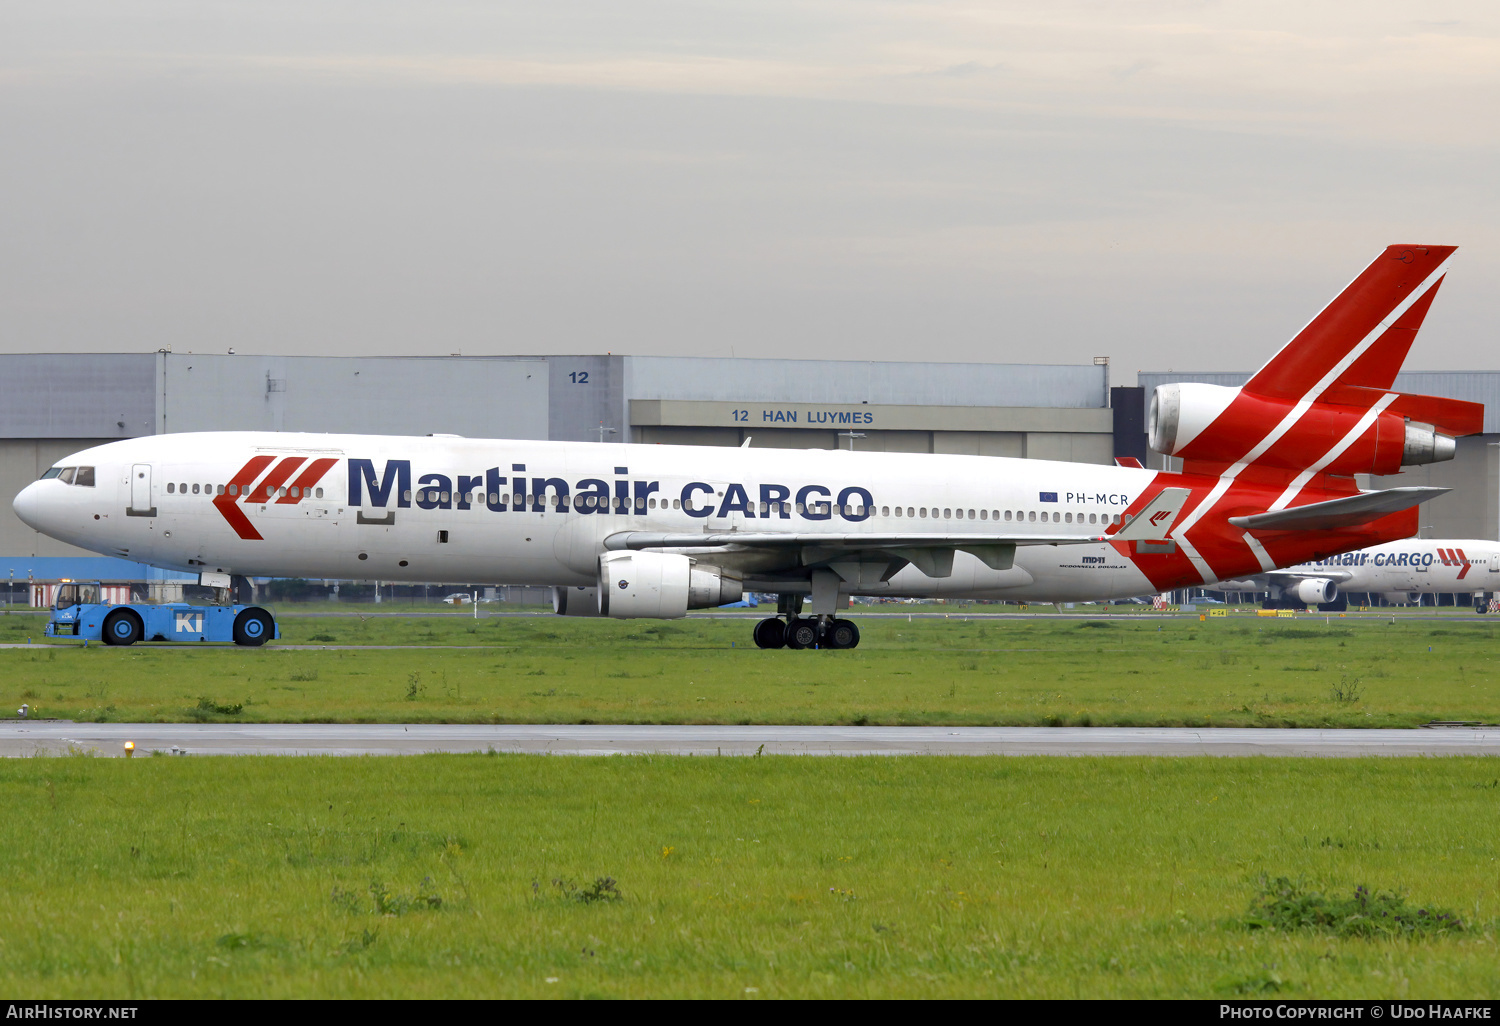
x,y
51,405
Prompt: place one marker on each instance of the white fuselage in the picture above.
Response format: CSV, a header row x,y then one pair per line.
x,y
444,509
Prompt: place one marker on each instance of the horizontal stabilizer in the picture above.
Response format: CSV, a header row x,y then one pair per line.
x,y
1337,513
1155,522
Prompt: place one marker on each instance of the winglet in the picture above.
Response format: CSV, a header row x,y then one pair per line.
x,y
1154,523
1129,461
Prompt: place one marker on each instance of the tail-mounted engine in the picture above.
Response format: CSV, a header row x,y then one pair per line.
x,y
660,586
1351,430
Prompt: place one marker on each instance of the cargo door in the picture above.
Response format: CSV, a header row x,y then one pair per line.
x,y
140,491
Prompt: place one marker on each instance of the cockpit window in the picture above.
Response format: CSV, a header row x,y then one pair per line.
x,y
52,473
67,474
69,595
84,477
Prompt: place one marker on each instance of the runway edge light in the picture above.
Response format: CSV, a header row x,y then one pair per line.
x,y
129,749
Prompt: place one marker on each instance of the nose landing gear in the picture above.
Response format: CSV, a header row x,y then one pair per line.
x,y
806,632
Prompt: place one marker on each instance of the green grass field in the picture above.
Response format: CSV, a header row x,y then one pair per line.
x,y
1234,671
470,876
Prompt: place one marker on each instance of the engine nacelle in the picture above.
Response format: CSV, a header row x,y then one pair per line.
x,y
1425,444
1181,415
578,601
1313,591
1401,598
656,585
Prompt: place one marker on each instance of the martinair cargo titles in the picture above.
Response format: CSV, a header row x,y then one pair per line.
x,y
622,530
1400,571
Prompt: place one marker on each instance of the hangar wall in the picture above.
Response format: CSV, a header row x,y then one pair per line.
x,y
53,405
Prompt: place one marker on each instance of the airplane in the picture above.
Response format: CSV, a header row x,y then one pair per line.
x,y
627,531
1400,571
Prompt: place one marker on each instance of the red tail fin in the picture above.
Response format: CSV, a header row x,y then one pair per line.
x,y
1361,337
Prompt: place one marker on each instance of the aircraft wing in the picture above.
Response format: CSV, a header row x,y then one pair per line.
x,y
930,553
1336,576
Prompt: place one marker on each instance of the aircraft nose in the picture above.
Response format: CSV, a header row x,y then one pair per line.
x,y
28,505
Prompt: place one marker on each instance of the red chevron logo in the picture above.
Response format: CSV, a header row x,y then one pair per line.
x,y
243,488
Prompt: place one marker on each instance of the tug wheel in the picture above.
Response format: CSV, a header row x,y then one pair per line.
x,y
122,627
253,627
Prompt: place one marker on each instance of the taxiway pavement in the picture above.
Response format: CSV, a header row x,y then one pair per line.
x,y
19,738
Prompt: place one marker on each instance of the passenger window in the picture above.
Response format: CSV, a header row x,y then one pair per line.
x,y
650,503
1068,518
219,489
319,493
898,511
195,489
1007,514
67,475
922,512
84,477
676,503
1033,516
885,511
406,496
171,488
182,488
280,492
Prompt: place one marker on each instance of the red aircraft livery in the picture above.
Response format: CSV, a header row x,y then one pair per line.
x,y
240,488
1270,466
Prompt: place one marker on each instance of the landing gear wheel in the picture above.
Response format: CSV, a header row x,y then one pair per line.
x,y
841,634
801,633
253,627
770,633
122,628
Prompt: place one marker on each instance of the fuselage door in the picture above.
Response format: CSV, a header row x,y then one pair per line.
x,y
140,491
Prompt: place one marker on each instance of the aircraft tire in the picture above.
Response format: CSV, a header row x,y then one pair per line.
x,y
801,632
770,633
841,634
253,627
122,627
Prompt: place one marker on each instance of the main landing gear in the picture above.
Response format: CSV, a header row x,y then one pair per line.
x,y
806,632
790,629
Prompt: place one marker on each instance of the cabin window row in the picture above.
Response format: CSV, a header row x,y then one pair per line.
x,y
268,492
551,500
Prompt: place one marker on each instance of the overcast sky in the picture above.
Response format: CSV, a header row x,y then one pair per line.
x,y
1177,185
